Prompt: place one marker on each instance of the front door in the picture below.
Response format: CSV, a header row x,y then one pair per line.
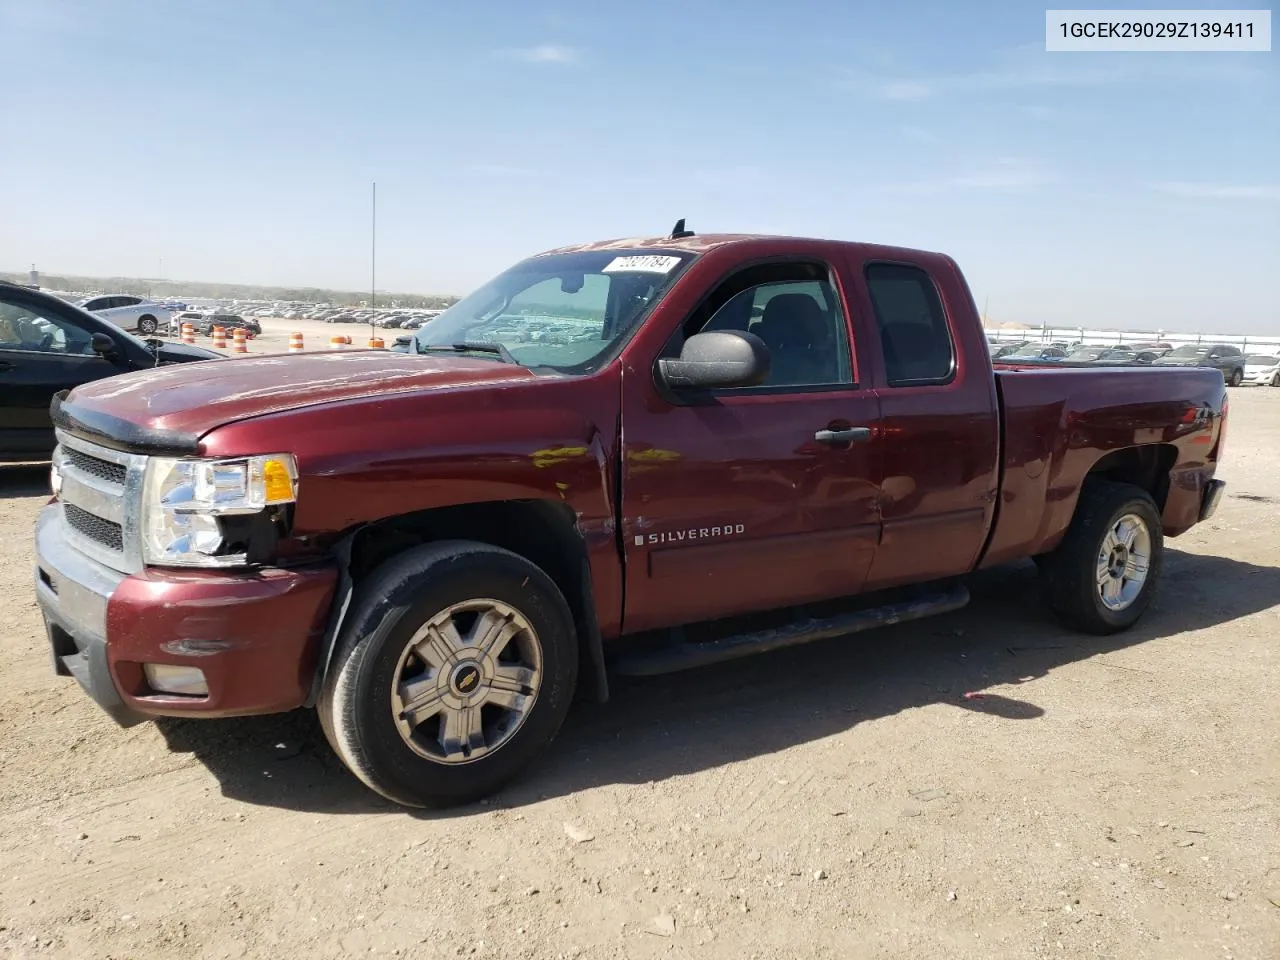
x,y
40,354
753,498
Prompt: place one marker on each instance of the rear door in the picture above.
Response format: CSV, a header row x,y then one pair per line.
x,y
939,418
753,498
40,354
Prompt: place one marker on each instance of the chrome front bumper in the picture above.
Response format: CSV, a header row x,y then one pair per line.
x,y
73,592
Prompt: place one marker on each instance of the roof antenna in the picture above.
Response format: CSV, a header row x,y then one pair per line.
x,y
678,232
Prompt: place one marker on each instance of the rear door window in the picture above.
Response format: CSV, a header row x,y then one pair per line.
x,y
914,335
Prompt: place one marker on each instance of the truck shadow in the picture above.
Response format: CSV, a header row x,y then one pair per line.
x,y
664,727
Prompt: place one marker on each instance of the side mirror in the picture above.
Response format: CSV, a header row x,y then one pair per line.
x,y
104,346
716,360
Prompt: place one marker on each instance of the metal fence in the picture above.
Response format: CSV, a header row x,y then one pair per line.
x,y
1115,338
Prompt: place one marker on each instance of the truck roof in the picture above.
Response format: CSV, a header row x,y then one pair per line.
x,y
704,243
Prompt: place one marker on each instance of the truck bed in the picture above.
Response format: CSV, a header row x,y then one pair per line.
x,y
1062,424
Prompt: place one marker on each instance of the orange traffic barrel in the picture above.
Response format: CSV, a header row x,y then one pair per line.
x,y
188,333
347,340
295,343
337,343
376,343
219,338
239,341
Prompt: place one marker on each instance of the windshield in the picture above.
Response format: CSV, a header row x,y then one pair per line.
x,y
1190,350
570,312
1261,360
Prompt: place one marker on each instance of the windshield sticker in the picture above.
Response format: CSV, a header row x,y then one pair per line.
x,y
642,264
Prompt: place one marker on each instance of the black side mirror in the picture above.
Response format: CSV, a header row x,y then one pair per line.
x,y
104,346
716,360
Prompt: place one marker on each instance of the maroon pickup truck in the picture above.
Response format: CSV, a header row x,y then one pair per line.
x,y
614,458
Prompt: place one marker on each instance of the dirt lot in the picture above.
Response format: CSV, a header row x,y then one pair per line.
x,y
1107,798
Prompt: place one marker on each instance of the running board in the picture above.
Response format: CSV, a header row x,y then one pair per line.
x,y
651,662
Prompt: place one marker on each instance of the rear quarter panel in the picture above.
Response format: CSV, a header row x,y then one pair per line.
x,y
1060,422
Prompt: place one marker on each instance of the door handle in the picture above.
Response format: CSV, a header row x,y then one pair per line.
x,y
835,438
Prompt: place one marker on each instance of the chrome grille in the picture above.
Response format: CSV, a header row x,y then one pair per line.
x,y
101,500
106,532
102,469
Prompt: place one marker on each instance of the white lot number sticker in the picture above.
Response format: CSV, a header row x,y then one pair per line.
x,y
644,264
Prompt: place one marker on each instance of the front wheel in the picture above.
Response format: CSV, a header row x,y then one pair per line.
x,y
456,668
147,325
1237,378
1275,381
1102,577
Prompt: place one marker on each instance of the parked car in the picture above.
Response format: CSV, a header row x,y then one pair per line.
x,y
1033,353
48,345
1086,354
229,322
193,317
1262,369
130,313
1007,349
1220,356
599,461
1117,356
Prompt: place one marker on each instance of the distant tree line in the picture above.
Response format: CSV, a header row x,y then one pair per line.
x,y
193,290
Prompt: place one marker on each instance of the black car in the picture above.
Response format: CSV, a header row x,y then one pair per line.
x,y
48,345
228,322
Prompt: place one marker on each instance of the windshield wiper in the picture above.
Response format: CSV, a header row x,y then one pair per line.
x,y
472,346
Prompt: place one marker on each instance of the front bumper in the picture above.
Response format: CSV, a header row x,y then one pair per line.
x,y
254,634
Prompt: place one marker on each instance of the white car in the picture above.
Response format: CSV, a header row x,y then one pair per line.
x,y
131,313
1261,369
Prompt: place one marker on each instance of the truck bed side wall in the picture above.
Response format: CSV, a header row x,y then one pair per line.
x,y
1060,424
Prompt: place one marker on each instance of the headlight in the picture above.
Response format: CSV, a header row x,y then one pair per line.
x,y
195,512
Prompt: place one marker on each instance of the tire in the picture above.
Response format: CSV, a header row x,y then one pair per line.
x,y
1074,571
1275,381
412,761
147,324
1237,377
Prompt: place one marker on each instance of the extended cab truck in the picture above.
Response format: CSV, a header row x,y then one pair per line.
x,y
614,456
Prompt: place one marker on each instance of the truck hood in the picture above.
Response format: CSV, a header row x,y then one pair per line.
x,y
171,407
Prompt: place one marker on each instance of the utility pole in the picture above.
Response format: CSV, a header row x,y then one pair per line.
x,y
373,260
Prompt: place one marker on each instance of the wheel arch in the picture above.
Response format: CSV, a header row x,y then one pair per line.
x,y
544,532
1148,466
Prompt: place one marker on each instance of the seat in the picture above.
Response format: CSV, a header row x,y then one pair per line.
x,y
798,334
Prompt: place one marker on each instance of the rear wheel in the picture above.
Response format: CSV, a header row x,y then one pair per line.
x,y
456,668
1237,378
1102,577
147,324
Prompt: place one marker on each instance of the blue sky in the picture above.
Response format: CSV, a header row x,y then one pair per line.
x,y
237,141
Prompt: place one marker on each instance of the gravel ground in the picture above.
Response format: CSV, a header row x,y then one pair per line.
x,y
1105,798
